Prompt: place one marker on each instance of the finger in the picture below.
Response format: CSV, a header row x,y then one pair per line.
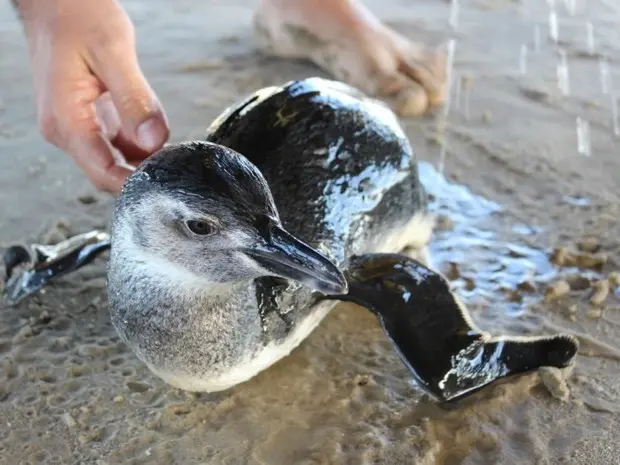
x,y
405,96
110,123
132,154
94,154
142,117
429,70
420,73
108,117
78,131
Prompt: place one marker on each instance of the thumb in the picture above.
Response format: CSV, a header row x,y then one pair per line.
x,y
142,117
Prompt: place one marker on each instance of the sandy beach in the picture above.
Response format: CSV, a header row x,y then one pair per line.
x,y
530,233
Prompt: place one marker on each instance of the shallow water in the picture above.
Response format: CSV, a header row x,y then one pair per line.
x,y
482,265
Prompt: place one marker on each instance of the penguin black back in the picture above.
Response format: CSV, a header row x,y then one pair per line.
x,y
338,163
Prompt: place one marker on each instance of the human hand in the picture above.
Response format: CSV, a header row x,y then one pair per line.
x,y
93,101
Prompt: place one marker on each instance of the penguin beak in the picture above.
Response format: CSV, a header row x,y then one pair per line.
x,y
287,257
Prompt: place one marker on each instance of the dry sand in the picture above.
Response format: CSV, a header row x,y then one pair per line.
x,y
71,393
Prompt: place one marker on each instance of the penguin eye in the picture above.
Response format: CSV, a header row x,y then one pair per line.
x,y
201,227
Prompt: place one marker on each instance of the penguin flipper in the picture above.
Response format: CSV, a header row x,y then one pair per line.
x,y
48,263
434,334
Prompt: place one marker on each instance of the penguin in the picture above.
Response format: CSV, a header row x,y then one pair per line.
x,y
223,249
226,253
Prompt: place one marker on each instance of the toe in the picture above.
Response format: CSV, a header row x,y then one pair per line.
x,y
405,96
412,100
428,72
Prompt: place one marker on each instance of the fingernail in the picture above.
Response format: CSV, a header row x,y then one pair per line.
x,y
152,134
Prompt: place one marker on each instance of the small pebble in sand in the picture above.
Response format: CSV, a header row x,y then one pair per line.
x,y
614,279
434,139
43,318
118,399
513,295
75,372
556,290
536,95
595,313
526,286
361,380
470,285
487,116
137,387
87,199
24,333
61,342
589,244
601,291
554,379
561,256
179,409
453,272
587,260
94,435
578,282
444,223
68,420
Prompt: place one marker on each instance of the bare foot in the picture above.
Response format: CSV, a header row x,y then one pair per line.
x,y
348,41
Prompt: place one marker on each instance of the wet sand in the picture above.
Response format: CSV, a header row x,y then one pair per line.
x,y
71,392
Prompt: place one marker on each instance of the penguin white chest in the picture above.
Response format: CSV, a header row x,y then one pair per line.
x,y
251,365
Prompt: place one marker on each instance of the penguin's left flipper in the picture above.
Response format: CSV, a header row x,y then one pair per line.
x,y
433,333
